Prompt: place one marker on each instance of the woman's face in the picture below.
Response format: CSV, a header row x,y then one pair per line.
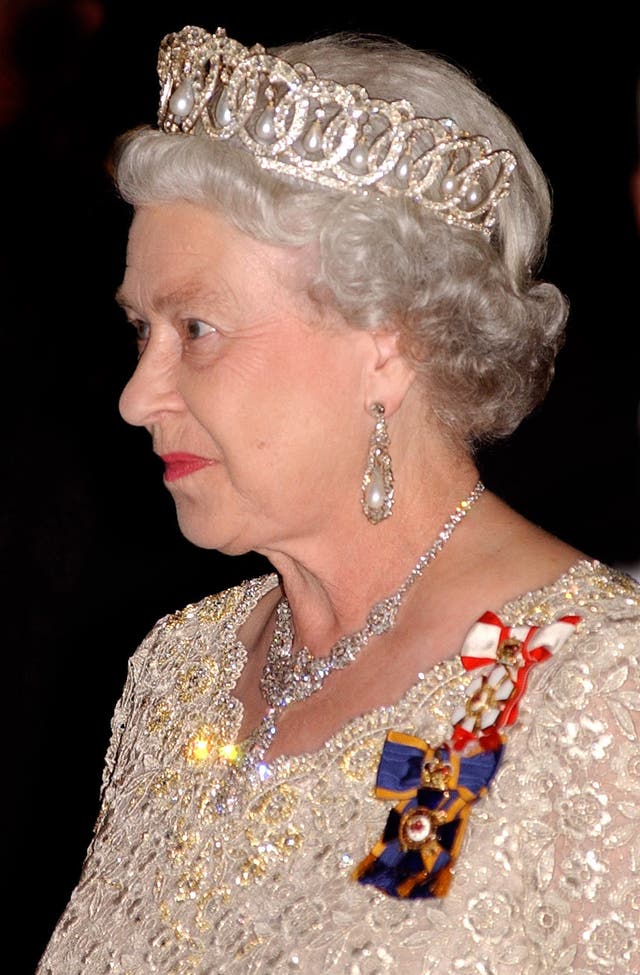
x,y
256,403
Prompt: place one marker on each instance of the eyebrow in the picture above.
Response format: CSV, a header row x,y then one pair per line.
x,y
191,291
121,298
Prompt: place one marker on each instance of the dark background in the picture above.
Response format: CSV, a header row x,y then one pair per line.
x,y
91,553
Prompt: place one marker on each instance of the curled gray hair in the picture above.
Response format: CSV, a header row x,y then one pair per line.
x,y
480,331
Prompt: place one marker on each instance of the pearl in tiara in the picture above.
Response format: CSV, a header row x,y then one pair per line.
x,y
316,130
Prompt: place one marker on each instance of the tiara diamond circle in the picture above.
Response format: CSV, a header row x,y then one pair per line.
x,y
335,136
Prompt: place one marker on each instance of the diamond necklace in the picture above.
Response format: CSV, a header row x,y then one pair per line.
x,y
290,676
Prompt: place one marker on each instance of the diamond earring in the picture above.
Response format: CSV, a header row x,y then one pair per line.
x,y
377,483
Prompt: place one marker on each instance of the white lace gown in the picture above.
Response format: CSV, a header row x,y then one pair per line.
x,y
548,879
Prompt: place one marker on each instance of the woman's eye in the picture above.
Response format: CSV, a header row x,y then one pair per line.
x,y
195,329
141,330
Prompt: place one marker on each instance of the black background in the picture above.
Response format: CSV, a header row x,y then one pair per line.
x,y
91,553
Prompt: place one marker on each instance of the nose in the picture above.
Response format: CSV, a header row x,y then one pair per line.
x,y
151,393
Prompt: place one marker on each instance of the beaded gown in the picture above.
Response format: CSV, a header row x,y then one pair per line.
x,y
548,878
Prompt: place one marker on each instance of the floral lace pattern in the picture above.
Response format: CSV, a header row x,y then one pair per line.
x,y
548,879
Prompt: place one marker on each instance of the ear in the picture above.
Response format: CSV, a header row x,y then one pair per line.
x,y
389,375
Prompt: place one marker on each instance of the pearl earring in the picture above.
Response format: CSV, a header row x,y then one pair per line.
x,y
377,483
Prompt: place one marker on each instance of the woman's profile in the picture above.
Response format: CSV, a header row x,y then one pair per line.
x,y
413,745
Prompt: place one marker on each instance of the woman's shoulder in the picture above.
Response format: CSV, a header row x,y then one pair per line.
x,y
588,621
221,606
595,682
229,606
597,593
196,626
601,657
186,651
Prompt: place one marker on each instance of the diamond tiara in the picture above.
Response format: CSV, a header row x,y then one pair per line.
x,y
319,131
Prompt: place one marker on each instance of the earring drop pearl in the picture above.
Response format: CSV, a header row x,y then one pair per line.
x,y
377,496
374,494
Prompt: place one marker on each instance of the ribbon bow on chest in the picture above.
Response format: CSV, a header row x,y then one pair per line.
x,y
435,788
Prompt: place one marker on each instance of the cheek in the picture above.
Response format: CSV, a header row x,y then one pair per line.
x,y
235,410
279,397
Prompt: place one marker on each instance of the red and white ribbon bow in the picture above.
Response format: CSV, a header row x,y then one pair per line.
x,y
510,652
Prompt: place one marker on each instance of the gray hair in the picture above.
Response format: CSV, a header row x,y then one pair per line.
x,y
478,328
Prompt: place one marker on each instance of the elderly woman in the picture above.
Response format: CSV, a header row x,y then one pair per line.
x,y
331,277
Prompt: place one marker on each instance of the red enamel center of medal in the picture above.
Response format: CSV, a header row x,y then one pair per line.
x,y
417,828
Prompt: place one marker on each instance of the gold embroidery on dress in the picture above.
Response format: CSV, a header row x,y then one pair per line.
x,y
548,879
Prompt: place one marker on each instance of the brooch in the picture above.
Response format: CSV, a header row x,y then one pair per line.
x,y
435,788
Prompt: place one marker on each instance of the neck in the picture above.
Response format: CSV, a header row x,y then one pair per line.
x,y
332,580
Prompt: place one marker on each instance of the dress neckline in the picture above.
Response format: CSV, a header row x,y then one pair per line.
x,y
521,608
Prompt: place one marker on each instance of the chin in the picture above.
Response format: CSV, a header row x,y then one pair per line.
x,y
206,534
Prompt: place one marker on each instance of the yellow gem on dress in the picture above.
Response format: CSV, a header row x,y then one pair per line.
x,y
201,744
230,753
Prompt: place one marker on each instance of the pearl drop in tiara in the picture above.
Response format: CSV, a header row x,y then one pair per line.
x,y
316,130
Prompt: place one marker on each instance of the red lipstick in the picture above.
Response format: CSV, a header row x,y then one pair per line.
x,y
179,465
